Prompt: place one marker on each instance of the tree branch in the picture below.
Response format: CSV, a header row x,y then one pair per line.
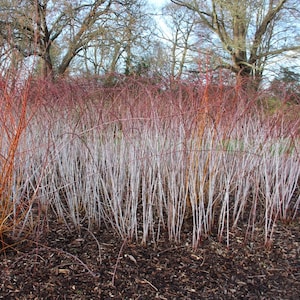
x,y
263,28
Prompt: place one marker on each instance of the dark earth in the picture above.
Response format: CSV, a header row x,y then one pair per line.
x,y
61,264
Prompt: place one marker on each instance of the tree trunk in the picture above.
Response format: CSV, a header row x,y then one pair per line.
x,y
65,63
47,68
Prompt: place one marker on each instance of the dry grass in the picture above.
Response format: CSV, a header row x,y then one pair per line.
x,y
13,122
142,159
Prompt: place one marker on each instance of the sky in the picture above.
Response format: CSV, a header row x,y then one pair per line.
x,y
158,3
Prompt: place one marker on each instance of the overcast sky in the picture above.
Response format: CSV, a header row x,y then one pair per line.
x,y
158,3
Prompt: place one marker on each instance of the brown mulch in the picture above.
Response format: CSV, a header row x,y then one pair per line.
x,y
61,264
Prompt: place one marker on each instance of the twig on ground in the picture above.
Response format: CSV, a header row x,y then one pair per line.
x,y
117,262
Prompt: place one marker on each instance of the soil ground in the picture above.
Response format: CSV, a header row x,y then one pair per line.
x,y
60,264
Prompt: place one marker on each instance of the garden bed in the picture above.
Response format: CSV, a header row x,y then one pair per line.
x,y
61,264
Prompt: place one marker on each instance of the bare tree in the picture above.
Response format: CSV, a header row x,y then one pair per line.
x,y
34,27
181,23
122,45
247,33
